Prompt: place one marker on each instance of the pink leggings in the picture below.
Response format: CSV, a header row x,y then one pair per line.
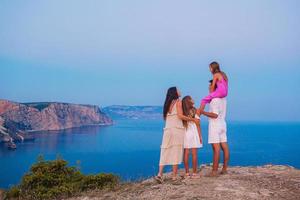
x,y
220,92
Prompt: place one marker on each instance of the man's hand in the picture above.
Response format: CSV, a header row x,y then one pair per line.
x,y
210,114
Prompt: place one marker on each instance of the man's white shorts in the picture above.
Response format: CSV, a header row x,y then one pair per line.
x,y
217,135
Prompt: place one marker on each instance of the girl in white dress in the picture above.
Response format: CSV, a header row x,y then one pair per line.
x,y
193,137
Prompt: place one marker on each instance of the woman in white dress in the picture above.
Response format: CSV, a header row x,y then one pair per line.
x,y
173,136
192,137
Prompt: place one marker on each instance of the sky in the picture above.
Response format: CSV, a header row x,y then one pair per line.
x,y
130,52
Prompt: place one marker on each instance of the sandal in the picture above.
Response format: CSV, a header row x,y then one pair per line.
x,y
223,172
212,174
158,179
176,180
187,175
195,176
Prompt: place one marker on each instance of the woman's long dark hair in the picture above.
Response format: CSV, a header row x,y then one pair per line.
x,y
188,109
172,94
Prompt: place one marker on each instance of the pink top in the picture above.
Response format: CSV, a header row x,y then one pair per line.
x,y
220,92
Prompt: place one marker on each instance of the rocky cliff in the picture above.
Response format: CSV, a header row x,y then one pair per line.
x,y
273,182
49,116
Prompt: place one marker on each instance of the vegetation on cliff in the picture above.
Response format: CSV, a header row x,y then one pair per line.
x,y
55,179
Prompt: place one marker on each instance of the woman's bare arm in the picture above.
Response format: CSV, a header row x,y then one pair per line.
x,y
181,116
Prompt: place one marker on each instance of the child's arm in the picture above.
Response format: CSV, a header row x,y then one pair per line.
x,y
181,116
199,132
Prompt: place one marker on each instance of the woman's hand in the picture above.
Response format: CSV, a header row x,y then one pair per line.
x,y
200,140
196,121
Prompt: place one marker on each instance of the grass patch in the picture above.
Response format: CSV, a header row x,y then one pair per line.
x,y
54,179
40,106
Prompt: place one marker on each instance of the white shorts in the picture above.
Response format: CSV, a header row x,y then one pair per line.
x,y
217,135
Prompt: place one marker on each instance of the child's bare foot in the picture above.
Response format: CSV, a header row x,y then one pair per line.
x,y
212,174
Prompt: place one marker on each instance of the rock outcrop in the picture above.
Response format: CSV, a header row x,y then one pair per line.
x,y
273,182
4,135
49,116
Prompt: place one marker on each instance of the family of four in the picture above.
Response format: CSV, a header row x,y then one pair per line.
x,y
182,132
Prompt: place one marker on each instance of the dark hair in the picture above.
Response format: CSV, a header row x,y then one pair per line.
x,y
188,109
216,69
210,83
172,94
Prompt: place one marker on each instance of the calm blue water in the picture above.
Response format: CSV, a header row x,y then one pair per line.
x,y
131,148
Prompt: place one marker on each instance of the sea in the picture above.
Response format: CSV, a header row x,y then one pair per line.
x,y
131,147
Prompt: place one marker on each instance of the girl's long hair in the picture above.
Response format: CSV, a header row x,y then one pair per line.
x,y
188,109
216,69
172,94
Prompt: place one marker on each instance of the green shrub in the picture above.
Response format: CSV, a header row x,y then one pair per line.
x,y
54,179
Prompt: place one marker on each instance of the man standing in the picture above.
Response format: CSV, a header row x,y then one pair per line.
x,y
217,132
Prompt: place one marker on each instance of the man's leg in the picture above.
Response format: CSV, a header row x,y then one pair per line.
x,y
216,157
225,149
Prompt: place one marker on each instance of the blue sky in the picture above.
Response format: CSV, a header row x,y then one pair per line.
x,y
130,52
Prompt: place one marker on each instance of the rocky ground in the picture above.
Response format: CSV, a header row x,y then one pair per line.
x,y
1,194
265,182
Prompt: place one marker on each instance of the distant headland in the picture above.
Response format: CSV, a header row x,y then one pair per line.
x,y
18,119
133,112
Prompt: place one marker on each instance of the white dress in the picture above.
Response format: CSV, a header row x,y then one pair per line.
x,y
191,136
172,143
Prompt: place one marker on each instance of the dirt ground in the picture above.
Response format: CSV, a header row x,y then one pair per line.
x,y
265,182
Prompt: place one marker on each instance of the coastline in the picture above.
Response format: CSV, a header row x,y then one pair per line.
x,y
101,124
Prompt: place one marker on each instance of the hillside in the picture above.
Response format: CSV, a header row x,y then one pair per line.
x,y
274,182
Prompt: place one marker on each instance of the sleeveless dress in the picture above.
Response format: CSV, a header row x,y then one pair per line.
x,y
220,92
173,137
191,136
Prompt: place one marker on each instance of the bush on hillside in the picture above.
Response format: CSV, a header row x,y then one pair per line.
x,y
54,179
